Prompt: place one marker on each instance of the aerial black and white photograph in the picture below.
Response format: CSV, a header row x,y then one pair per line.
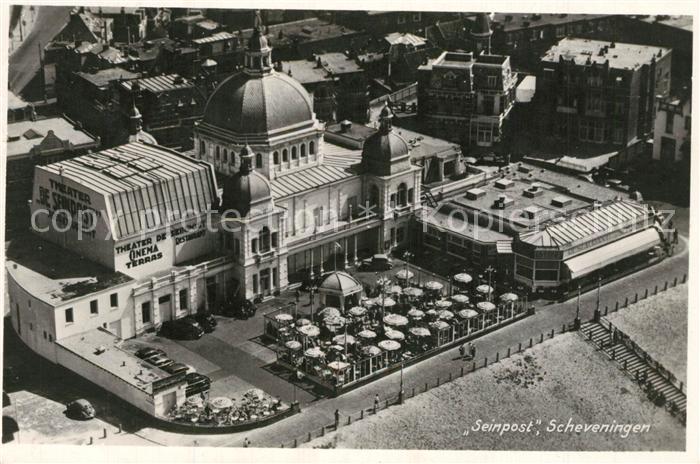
x,y
348,229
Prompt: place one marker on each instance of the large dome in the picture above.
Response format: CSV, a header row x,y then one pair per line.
x,y
245,104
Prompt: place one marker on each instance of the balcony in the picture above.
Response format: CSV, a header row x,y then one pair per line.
x,y
336,228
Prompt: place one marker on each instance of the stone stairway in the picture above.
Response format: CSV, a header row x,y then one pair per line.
x,y
599,334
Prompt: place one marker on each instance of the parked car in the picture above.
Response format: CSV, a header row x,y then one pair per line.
x,y
176,368
240,308
206,317
147,352
379,262
197,383
80,409
184,328
159,360
204,322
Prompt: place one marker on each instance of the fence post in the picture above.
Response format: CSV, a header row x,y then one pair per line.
x,y
552,335
624,365
349,420
685,276
295,442
666,286
309,438
626,302
437,384
617,305
461,371
426,386
541,337
646,293
386,404
530,342
486,361
449,379
563,328
104,433
520,347
606,310
413,392
508,355
636,297
656,289
614,352
473,366
90,441
498,354
590,334
120,428
675,281
323,431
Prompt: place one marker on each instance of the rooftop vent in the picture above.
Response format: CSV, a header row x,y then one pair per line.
x,y
475,193
502,202
524,169
345,125
561,201
531,212
533,192
503,184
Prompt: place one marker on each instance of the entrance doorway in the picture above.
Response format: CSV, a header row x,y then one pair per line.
x,y
211,293
165,307
265,282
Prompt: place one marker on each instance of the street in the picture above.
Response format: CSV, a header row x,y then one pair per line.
x,y
24,62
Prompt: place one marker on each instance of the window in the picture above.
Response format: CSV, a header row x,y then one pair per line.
x,y
410,196
44,335
303,149
294,153
276,158
400,234
491,81
114,300
669,122
146,312
218,154
416,17
401,19
51,338
69,315
93,307
274,237
312,148
285,156
258,161
255,283
392,200
183,299
254,245
264,239
318,216
402,194
202,148
225,157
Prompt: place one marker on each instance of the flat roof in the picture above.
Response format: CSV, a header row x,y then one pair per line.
x,y
566,183
223,35
405,38
303,30
14,101
104,76
163,83
22,136
679,22
618,55
425,146
459,224
306,71
56,275
103,349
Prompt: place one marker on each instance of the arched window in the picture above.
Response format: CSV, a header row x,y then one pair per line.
x,y
202,148
217,153
264,239
276,158
285,155
312,148
294,153
303,149
225,156
402,194
258,161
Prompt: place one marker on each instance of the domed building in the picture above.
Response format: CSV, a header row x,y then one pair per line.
x,y
264,109
287,214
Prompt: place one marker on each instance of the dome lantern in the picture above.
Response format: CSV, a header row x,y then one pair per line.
x,y
258,53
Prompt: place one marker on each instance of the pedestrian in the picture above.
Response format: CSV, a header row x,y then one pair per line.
x,y
376,402
246,442
461,351
472,351
337,418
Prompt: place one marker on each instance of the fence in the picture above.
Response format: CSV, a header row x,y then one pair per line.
x,y
412,390
368,369
676,281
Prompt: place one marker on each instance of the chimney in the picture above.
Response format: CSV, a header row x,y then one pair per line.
x,y
345,126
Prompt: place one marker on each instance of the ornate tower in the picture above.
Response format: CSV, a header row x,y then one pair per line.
x,y
481,34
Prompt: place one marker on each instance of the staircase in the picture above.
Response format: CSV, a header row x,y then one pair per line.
x,y
430,199
600,335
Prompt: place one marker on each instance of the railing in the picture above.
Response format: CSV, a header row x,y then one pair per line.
x,y
401,94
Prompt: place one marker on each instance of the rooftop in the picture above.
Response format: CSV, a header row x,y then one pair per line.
x,y
103,349
308,179
341,157
515,21
54,274
159,84
459,224
679,22
303,30
103,77
14,101
24,135
618,55
403,38
215,38
424,146
306,71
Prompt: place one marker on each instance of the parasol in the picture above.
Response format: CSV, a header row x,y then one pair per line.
x,y
485,289
415,313
302,322
467,313
412,291
368,334
293,345
309,330
195,400
284,317
396,290
395,320
342,339
369,302
371,350
460,298
443,304
394,335
463,278
508,298
404,274
338,365
221,402
314,352
329,311
388,302
486,306
445,315
357,311
420,332
334,321
439,325
389,345
432,285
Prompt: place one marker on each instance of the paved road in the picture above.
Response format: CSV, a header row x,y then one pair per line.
x,y
24,62
320,412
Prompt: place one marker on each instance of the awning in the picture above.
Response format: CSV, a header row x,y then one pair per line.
x,y
600,257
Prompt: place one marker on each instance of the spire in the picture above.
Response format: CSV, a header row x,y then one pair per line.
x,y
135,119
258,54
385,119
246,160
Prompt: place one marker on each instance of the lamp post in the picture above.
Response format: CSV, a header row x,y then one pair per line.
x,y
401,385
312,291
596,313
407,257
577,321
490,270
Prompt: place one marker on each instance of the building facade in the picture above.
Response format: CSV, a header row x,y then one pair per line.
x,y
672,129
466,98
